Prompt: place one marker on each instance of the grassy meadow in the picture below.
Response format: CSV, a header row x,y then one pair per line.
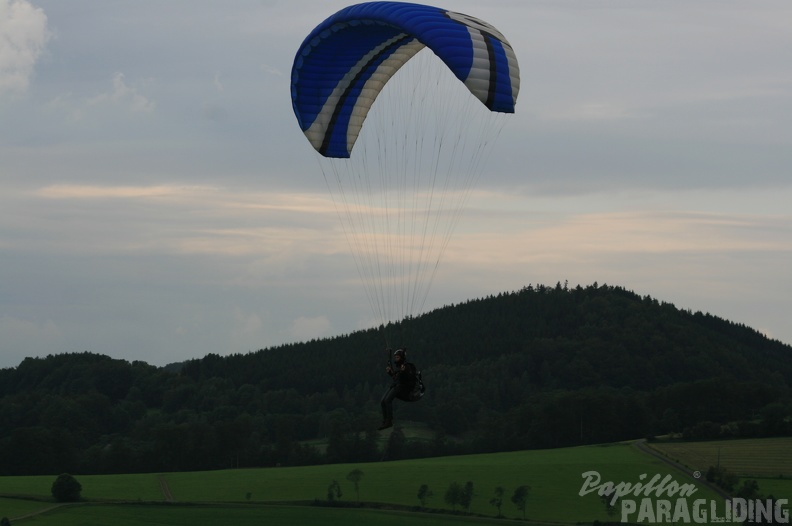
x,y
555,478
20,507
136,515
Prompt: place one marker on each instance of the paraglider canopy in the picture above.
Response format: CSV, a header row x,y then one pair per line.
x,y
432,87
345,62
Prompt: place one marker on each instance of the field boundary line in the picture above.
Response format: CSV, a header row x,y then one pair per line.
x,y
42,511
166,492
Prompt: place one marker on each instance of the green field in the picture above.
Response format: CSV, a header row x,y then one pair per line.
x,y
20,507
136,515
555,477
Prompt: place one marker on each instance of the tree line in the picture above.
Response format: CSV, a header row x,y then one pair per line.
x,y
540,367
458,496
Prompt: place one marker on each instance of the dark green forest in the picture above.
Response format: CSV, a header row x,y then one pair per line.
x,y
541,367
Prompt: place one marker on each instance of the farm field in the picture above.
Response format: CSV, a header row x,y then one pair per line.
x,y
755,457
766,460
555,478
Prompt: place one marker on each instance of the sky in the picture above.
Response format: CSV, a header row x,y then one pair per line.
x,y
159,202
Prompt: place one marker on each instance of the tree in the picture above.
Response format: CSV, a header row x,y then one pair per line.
x,y
424,493
66,488
354,477
497,500
453,495
722,477
467,496
520,498
5,522
610,502
749,490
334,491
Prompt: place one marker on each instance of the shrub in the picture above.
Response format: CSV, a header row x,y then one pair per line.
x,y
66,488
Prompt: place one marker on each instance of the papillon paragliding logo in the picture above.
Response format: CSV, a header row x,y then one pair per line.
x,y
411,73
662,500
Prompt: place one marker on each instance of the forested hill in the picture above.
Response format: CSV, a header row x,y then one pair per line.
x,y
540,367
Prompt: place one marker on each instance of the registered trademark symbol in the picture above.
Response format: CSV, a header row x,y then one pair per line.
x,y
697,474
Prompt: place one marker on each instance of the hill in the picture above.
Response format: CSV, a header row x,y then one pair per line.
x,y
540,367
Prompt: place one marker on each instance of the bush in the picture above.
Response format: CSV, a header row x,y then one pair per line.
x,y
722,477
66,488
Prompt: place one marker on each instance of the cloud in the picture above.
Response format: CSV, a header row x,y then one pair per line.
x,y
246,323
271,70
272,227
208,197
68,191
594,111
124,95
23,38
214,112
512,233
218,84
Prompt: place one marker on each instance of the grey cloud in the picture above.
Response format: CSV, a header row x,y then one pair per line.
x,y
23,39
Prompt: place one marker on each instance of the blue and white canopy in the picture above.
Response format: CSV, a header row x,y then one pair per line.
x,y
346,60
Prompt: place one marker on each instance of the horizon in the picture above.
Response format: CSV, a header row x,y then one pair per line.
x,y
427,313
